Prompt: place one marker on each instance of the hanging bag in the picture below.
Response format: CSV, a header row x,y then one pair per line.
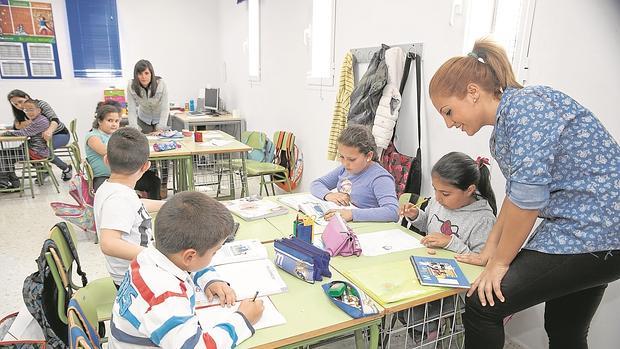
x,y
406,170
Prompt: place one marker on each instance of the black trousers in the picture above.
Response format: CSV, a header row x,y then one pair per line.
x,y
571,286
149,182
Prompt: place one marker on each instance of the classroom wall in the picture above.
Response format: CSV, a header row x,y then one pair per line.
x,y
181,41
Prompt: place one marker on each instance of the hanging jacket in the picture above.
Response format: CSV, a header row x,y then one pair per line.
x,y
343,102
365,96
389,104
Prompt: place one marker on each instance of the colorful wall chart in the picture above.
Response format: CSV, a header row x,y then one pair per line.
x,y
28,41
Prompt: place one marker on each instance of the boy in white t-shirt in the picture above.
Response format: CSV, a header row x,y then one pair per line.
x,y
122,218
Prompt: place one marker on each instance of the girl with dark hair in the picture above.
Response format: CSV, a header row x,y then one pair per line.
x,y
359,180
462,213
107,121
57,131
561,165
148,109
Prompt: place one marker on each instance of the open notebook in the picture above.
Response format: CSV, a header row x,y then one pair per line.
x,y
212,315
251,209
311,206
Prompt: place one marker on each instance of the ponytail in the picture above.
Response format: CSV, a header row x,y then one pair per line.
x,y
484,187
486,65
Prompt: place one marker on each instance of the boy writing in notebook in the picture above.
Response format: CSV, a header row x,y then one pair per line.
x,y
155,305
121,217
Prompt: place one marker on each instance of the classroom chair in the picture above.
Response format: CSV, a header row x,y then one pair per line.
x,y
85,326
14,150
40,168
262,169
61,265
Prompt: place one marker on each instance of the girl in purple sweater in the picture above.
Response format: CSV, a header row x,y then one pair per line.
x,y
360,181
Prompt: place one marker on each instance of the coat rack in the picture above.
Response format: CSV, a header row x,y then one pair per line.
x,y
364,55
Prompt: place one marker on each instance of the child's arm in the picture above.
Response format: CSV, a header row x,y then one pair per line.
x,y
152,205
97,145
384,190
37,126
320,187
113,245
474,240
420,221
210,281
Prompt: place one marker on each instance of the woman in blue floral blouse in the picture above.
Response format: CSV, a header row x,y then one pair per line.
x,y
561,165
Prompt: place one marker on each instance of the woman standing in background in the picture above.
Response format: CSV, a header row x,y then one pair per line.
x,y
147,107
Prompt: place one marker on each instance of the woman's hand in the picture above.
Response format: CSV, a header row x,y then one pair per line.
x,y
480,259
341,199
436,240
346,214
489,283
409,210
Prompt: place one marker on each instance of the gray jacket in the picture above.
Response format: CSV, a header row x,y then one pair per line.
x,y
151,110
469,226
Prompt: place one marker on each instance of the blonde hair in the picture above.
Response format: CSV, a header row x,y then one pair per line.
x,y
487,66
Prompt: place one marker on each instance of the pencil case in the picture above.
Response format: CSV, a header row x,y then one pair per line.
x,y
166,146
301,259
350,299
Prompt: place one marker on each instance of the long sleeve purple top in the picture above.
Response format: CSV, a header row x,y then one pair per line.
x,y
372,191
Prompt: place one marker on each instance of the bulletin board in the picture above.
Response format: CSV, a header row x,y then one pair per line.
x,y
28,41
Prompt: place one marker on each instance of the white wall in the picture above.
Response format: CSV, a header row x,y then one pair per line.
x,y
578,55
181,42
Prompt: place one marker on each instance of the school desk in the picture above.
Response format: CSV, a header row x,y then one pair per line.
x,y
259,229
234,125
183,166
390,275
310,317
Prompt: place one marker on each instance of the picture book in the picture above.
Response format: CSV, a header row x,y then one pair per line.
x,y
443,272
311,206
252,209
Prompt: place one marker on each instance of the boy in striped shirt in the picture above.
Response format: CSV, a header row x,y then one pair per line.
x,y
155,305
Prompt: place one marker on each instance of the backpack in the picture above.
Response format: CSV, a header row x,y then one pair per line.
x,y
257,141
81,215
41,293
288,156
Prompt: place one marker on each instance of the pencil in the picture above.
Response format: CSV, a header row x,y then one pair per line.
x,y
255,295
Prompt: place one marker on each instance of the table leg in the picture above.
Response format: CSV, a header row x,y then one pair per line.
x,y
244,175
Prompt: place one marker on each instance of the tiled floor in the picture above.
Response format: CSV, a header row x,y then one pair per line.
x,y
25,224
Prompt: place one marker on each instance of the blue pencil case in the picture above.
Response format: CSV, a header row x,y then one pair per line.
x,y
301,259
350,299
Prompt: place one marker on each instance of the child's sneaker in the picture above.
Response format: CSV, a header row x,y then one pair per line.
x,y
4,184
67,173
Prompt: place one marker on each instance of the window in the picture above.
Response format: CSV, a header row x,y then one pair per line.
x,y
93,29
254,40
509,22
321,34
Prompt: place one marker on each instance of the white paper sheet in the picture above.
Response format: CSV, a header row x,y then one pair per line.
x,y
248,277
311,205
211,316
387,241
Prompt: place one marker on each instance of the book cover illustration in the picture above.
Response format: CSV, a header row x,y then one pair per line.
x,y
443,272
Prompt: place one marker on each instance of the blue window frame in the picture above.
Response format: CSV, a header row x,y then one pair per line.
x,y
93,29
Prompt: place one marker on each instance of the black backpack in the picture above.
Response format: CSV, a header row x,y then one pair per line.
x,y
41,293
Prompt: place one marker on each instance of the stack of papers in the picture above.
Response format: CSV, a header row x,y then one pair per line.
x,y
239,251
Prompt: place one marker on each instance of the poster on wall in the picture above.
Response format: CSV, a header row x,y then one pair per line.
x,y
28,41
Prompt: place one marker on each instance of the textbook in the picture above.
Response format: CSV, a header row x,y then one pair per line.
x,y
239,251
252,209
442,272
311,206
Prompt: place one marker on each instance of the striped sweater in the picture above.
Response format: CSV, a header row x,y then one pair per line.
x,y
341,109
155,307
36,142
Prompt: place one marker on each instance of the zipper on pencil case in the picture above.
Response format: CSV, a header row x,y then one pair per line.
x,y
283,245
